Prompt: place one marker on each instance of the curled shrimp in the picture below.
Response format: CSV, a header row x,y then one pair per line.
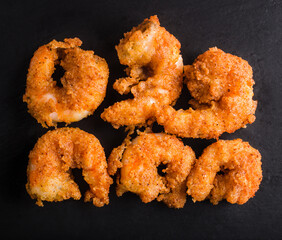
x,y
49,175
240,168
222,87
155,70
83,84
138,162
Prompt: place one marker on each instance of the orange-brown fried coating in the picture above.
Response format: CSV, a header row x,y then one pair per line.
x,y
83,84
155,72
228,170
139,160
49,175
222,87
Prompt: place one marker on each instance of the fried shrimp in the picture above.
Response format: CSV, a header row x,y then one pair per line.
x,y
228,170
155,70
139,160
83,84
222,87
49,175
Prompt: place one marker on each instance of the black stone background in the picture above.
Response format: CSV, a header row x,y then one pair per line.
x,y
249,29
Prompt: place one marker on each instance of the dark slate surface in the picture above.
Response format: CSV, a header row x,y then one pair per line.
x,y
249,29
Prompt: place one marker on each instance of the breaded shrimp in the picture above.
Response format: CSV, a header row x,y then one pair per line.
x,y
84,83
241,173
155,70
139,160
222,87
49,175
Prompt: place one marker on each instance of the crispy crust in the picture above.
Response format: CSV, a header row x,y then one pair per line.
x,y
222,87
84,83
138,161
51,160
241,168
155,74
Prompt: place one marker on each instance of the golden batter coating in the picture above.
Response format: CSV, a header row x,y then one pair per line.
x,y
240,168
138,161
155,70
222,87
49,175
84,83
